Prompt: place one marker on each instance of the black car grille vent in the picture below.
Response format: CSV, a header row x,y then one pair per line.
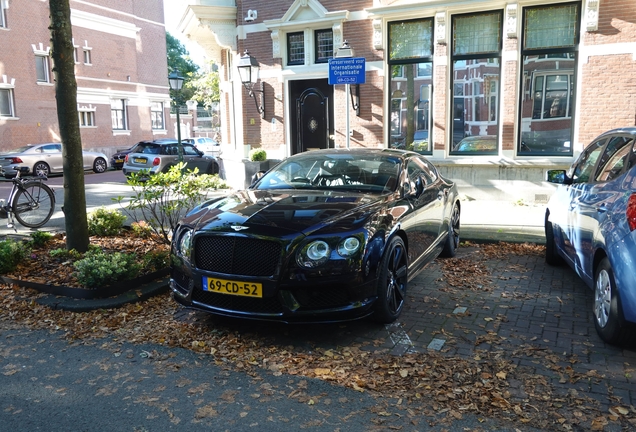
x,y
241,256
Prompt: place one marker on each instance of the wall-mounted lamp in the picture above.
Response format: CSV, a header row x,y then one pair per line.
x,y
248,68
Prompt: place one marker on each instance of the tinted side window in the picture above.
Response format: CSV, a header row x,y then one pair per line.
x,y
190,150
583,169
614,158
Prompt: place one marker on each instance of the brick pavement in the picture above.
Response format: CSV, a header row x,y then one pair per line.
x,y
514,306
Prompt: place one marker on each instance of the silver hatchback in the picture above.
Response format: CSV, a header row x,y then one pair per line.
x,y
159,155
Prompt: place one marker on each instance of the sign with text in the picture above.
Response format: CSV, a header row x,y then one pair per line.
x,y
347,70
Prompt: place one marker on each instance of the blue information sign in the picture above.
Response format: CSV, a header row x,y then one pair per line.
x,y
349,70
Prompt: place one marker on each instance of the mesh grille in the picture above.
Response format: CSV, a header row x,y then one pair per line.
x,y
237,255
237,303
321,298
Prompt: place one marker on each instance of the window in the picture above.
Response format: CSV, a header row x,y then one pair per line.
x,y
86,118
87,56
296,48
75,55
411,65
156,115
615,157
42,68
549,56
118,114
6,102
324,45
3,13
584,167
475,59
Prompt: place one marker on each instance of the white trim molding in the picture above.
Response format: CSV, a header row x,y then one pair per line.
x,y
440,28
378,34
40,50
591,15
103,24
511,21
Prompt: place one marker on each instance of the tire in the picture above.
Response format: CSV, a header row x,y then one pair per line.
x,y
99,165
608,316
41,169
33,206
552,257
213,168
392,283
452,240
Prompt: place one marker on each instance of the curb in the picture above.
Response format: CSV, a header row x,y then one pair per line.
x,y
144,292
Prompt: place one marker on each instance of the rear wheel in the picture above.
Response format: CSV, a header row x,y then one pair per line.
x,y
99,166
41,169
391,282
452,241
34,205
608,317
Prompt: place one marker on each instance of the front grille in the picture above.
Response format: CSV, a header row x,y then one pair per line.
x,y
242,256
269,305
322,298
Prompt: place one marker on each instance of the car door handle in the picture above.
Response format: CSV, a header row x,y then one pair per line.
x,y
601,209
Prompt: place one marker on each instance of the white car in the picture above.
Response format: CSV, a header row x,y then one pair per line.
x,y
45,159
206,145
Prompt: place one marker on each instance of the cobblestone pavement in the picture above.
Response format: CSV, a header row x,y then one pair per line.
x,y
535,315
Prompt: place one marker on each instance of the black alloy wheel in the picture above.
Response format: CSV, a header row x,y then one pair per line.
x,y
392,282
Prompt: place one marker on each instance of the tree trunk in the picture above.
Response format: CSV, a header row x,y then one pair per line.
x,y
75,218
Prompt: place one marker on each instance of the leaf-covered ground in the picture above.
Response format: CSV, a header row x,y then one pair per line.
x,y
485,382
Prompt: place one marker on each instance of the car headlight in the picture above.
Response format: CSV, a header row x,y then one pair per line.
x,y
184,245
348,247
314,254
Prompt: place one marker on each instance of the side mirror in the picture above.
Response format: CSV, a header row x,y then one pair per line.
x,y
557,176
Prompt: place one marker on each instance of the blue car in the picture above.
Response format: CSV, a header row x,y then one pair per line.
x,y
590,223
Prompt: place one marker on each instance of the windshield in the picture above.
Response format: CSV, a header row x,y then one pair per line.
x,y
18,150
364,172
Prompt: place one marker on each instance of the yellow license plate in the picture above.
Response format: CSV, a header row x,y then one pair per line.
x,y
119,160
222,286
141,160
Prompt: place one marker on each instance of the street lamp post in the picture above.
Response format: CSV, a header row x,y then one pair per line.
x,y
176,82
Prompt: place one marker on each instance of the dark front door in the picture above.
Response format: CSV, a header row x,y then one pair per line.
x,y
312,115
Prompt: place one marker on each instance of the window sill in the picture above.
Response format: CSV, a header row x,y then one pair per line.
x,y
159,132
117,132
3,118
88,127
46,84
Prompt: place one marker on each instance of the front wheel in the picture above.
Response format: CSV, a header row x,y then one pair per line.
x,y
552,257
608,317
391,283
33,205
452,240
41,169
99,166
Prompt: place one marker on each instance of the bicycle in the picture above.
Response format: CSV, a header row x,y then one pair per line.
x,y
31,202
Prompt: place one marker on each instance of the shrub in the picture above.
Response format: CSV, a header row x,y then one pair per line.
x,y
156,260
258,155
100,269
162,199
40,238
11,253
141,229
65,254
104,222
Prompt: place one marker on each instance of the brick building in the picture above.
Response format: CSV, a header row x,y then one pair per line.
x,y
121,72
494,92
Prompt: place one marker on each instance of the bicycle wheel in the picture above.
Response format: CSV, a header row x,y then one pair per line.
x,y
34,204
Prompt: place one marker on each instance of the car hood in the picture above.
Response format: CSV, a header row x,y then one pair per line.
x,y
280,212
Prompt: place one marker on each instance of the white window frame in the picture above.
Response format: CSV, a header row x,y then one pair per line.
x,y
42,61
86,116
87,54
9,90
160,111
123,109
40,51
4,5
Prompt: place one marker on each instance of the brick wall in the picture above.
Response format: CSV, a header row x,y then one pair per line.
x,y
121,67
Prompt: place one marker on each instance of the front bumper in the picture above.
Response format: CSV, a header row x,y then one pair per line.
x,y
331,299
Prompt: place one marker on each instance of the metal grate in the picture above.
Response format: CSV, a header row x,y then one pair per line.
x,y
321,298
242,256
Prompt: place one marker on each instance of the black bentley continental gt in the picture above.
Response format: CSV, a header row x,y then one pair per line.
x,y
325,235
